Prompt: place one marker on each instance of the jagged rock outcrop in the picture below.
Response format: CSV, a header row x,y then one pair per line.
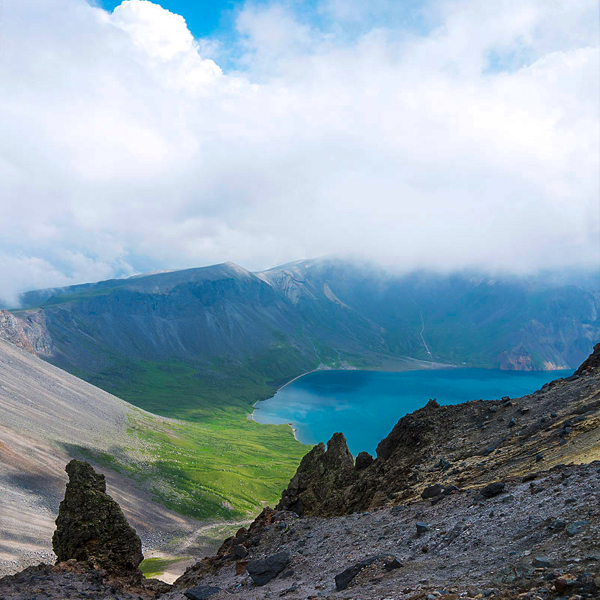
x,y
28,333
91,527
321,474
363,460
411,431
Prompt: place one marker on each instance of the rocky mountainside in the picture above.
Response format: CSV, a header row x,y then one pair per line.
x,y
229,337
496,499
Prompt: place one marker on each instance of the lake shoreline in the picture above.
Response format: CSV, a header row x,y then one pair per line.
x,y
416,364
409,388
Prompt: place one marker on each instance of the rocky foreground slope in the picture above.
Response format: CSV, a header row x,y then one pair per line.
x,y
482,500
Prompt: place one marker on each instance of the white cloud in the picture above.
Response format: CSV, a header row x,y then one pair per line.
x,y
472,143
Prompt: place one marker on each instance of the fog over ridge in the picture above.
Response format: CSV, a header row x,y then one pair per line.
x,y
128,146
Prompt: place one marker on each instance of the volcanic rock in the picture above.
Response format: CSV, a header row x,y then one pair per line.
x,y
432,491
202,592
591,363
319,477
344,579
91,526
262,570
363,460
493,489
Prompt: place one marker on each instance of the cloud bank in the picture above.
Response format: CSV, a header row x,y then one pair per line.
x,y
458,133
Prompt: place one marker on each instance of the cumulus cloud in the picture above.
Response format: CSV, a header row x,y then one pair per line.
x,y
457,134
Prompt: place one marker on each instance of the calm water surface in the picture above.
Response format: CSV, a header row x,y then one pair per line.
x,y
365,405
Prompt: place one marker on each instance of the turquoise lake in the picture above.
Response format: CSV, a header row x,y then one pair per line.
x,y
365,405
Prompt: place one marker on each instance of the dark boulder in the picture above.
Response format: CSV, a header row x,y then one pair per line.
x,y
493,489
262,570
91,527
432,491
363,460
344,579
201,592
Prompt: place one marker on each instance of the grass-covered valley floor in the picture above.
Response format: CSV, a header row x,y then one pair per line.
x,y
207,460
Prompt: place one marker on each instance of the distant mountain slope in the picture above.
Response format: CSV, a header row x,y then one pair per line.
x,y
184,343
527,323
187,341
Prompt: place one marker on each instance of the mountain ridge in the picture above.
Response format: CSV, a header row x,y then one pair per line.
x,y
199,342
521,323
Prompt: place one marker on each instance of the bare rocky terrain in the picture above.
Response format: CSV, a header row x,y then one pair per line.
x,y
495,499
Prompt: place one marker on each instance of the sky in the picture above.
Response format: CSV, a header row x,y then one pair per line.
x,y
445,134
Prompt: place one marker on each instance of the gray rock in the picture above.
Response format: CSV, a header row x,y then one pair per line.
x,y
422,527
262,570
557,524
576,527
344,579
542,562
201,592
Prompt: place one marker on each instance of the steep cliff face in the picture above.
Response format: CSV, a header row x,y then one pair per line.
x,y
517,323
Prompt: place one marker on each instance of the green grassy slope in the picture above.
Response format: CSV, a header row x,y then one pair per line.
x,y
213,462
223,468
